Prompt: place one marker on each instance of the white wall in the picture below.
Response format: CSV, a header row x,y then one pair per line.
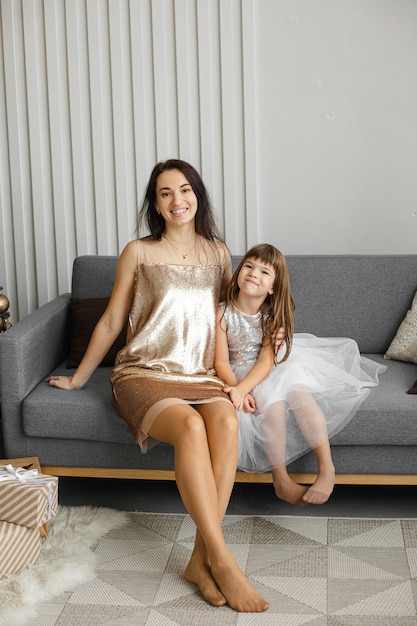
x,y
301,116
337,125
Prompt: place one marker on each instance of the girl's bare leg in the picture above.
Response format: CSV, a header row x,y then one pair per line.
x,y
206,445
274,424
312,424
286,489
321,490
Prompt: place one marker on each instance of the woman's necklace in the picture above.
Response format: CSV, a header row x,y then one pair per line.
x,y
174,244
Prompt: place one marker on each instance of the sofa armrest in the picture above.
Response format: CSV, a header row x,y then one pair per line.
x,y
29,351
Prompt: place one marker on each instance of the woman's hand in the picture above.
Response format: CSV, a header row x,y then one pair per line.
x,y
235,396
62,382
241,401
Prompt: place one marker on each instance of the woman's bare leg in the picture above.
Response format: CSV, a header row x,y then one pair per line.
x,y
224,476
212,566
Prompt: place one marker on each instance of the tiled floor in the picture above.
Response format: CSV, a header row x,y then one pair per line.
x,y
247,499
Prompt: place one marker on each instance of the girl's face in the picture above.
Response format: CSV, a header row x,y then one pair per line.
x,y
175,198
256,278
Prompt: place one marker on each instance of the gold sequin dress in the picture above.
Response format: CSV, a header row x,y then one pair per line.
x,y
169,355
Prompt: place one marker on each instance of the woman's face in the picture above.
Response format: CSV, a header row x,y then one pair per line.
x,y
175,198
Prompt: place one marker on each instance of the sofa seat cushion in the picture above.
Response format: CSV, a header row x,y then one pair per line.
x,y
88,413
374,423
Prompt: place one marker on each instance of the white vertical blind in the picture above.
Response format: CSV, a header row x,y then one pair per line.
x,y
22,260
102,127
143,91
93,93
187,83
7,271
80,126
62,188
250,114
124,148
165,85
40,155
209,86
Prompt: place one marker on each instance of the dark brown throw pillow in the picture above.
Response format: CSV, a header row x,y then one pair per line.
x,y
85,313
413,389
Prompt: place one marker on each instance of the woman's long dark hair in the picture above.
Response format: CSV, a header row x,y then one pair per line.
x,y
205,224
277,308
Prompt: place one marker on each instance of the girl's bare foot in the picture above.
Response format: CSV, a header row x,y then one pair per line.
x,y
289,491
239,593
198,572
322,488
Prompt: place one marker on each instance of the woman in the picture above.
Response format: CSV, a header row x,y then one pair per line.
x,y
164,383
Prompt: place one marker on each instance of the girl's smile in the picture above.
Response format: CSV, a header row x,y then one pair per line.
x,y
256,278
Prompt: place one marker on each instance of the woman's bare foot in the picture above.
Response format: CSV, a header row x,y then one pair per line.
x,y
198,572
289,491
322,488
236,588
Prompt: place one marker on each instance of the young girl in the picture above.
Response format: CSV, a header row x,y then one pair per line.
x,y
291,401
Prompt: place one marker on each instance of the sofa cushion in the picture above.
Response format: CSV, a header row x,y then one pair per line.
x,y
357,296
388,416
90,414
93,276
404,345
85,313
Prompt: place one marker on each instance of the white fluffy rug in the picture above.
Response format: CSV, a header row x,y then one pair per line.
x,y
66,561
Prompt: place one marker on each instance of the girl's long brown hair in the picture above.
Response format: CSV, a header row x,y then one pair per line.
x,y
277,308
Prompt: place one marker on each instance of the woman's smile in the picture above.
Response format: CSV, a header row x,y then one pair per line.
x,y
175,198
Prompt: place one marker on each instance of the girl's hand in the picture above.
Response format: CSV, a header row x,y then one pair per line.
x,y
62,382
249,404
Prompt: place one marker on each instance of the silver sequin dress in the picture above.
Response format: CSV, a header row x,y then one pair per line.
x,y
327,371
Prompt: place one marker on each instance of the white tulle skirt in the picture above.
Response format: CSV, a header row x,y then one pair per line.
x,y
303,401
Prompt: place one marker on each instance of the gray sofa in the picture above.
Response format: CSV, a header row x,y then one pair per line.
x,y
81,434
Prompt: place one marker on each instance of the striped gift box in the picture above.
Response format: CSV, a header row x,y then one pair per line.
x,y
19,546
29,503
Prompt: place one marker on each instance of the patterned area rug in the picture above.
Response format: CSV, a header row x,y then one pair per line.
x,y
318,571
67,561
